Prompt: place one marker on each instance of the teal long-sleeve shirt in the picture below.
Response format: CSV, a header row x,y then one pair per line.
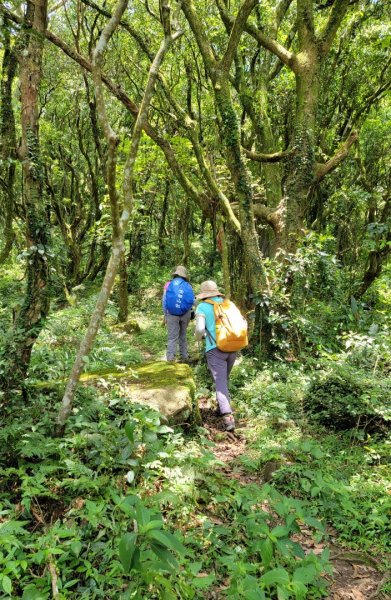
x,y
205,320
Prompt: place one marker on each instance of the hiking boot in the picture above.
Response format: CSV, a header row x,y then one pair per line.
x,y
229,422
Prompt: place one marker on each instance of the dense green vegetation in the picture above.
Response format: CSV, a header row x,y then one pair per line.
x,y
71,505
250,142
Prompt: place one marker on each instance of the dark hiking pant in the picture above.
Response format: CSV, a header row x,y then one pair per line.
x,y
176,329
220,365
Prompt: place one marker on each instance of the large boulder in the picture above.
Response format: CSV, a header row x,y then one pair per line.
x,y
167,387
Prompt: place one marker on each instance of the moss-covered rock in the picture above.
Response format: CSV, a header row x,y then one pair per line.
x,y
131,326
164,386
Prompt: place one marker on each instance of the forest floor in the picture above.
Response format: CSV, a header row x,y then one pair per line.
x,y
352,577
280,508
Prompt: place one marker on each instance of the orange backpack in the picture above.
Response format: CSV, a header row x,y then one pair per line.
x,y
231,326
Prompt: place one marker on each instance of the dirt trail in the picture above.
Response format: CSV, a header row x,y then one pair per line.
x,y
355,576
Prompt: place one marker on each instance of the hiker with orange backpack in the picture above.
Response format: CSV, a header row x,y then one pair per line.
x,y
220,323
177,302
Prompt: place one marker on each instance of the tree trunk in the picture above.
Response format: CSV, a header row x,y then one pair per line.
x,y
231,137
123,306
120,225
223,247
300,166
7,141
162,226
32,315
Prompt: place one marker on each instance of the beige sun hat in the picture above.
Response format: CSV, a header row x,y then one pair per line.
x,y
208,290
181,271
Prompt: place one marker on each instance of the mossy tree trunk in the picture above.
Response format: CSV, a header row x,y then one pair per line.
x,y
32,315
301,170
219,73
8,155
123,305
240,177
162,225
223,247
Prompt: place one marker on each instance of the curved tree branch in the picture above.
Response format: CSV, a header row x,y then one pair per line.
x,y
268,158
236,32
323,169
286,56
327,35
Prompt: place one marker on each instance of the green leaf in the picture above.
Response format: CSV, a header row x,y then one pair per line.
x,y
300,590
266,550
7,584
33,593
76,547
127,546
282,594
304,574
165,429
130,475
195,567
166,557
142,514
150,436
168,540
275,576
201,583
154,524
280,531
129,430
312,522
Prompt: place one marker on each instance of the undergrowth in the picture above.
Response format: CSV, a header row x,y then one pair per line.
x,y
123,506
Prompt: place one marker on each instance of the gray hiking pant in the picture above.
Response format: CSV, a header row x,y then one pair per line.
x,y
176,329
220,365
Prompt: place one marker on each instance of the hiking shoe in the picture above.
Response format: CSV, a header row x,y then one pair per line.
x,y
229,422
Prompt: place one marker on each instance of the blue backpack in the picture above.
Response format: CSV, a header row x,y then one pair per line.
x,y
179,296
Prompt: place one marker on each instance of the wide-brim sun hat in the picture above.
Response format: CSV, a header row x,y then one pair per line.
x,y
181,272
208,289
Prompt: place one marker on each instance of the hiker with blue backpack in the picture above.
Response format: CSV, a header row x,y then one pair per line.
x,y
220,323
178,299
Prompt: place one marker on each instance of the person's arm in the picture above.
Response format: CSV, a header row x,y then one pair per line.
x,y
164,299
200,331
164,302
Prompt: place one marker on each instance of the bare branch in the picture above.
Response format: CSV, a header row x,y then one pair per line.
x,y
323,169
280,12
268,158
288,42
213,185
305,23
127,26
200,36
286,56
327,35
236,32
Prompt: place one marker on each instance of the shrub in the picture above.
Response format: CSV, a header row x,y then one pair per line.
x,y
345,398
